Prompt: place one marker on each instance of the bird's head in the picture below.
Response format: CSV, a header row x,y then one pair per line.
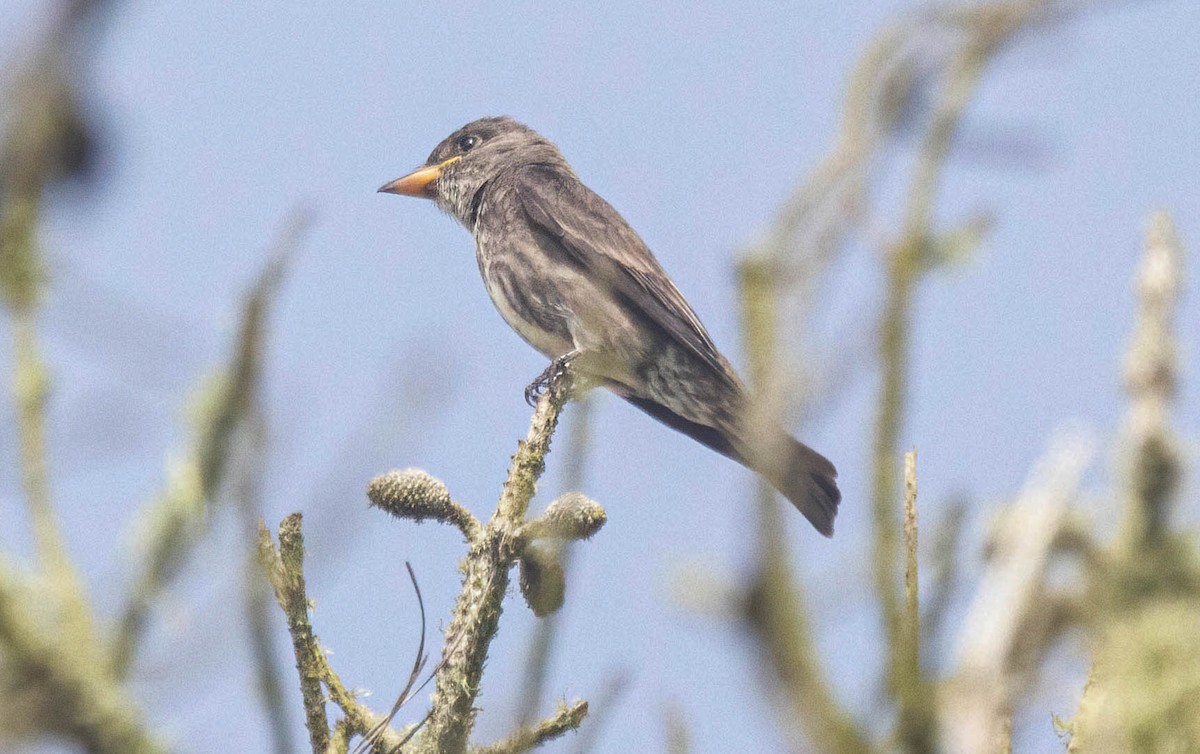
x,y
462,165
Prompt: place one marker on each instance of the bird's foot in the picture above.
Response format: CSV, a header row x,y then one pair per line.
x,y
550,377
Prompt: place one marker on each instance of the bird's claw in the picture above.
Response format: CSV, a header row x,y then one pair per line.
x,y
559,368
535,389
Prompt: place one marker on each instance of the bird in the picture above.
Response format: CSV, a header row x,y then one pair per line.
x,y
574,280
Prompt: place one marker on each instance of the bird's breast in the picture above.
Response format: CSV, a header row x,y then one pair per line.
x,y
527,297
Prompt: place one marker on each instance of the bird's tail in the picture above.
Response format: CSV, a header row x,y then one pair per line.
x,y
801,474
804,476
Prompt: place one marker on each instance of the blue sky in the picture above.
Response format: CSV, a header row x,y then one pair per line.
x,y
386,352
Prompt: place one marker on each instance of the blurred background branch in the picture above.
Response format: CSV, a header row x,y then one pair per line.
x,y
945,50
1011,605
65,675
225,415
1143,604
47,139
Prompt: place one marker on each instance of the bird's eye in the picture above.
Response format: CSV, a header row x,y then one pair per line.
x,y
467,143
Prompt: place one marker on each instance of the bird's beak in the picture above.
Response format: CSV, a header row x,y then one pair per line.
x,y
420,183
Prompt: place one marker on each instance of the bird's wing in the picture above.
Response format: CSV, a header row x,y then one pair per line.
x,y
596,237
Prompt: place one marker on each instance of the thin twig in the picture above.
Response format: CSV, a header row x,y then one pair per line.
x,y
566,719
916,716
418,667
911,589
285,570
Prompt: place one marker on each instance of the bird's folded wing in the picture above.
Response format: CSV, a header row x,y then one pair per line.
x,y
597,238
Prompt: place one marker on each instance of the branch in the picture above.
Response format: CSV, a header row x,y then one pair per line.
x,y
54,679
494,549
284,568
1151,374
541,646
565,719
916,722
486,576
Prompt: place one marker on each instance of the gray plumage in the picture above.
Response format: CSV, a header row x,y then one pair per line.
x,y
572,277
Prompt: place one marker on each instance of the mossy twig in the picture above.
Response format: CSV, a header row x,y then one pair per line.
x,y
485,580
541,646
565,719
284,568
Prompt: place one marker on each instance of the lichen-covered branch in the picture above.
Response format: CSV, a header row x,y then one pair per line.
x,y
506,540
485,581
284,568
564,720
541,645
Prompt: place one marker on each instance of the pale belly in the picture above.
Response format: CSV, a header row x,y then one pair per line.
x,y
550,342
